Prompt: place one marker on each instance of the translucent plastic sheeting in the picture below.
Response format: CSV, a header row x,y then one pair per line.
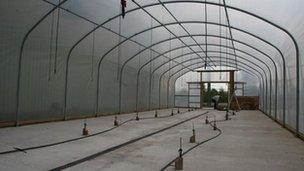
x,y
83,59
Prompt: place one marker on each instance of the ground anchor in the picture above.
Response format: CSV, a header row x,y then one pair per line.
x,y
179,160
115,121
85,130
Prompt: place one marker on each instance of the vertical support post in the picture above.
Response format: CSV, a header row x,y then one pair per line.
x,y
188,96
201,90
209,90
179,159
231,83
174,104
192,138
168,89
243,89
231,88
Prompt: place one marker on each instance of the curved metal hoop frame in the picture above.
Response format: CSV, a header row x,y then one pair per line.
x,y
244,68
217,57
142,8
261,80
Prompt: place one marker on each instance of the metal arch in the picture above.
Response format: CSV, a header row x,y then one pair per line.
x,y
261,80
129,59
245,70
165,56
230,7
211,51
120,82
256,75
175,79
217,51
167,91
265,101
88,20
96,24
181,22
229,59
276,79
276,82
232,64
183,29
297,56
212,23
199,22
74,46
103,24
21,55
261,84
297,78
159,81
221,37
229,26
164,26
155,4
203,35
124,64
217,57
200,35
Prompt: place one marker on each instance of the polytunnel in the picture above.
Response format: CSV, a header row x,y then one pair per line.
x,y
63,60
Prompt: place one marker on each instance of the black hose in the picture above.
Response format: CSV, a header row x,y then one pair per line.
x,y
65,141
168,116
73,139
90,157
198,144
222,120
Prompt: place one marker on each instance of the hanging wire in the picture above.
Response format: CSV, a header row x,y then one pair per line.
x,y
151,41
182,78
151,64
139,62
226,54
170,54
119,49
230,33
93,54
57,38
170,44
51,45
139,55
220,33
206,47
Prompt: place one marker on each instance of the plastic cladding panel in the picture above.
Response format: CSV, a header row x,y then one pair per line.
x,y
109,86
16,19
128,90
94,10
45,53
143,91
43,67
154,95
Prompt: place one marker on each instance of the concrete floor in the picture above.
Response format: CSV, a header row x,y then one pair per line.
x,y
250,141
